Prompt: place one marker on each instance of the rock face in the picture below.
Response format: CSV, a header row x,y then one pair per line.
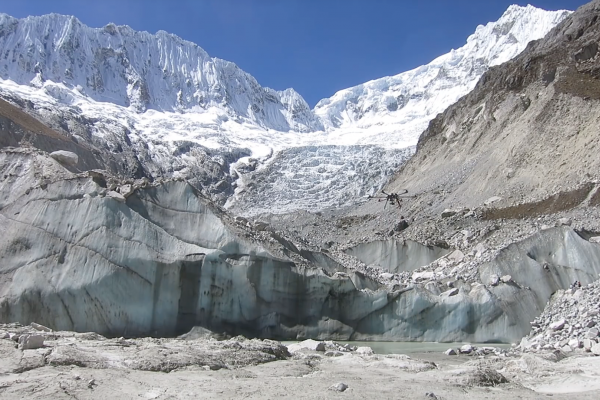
x,y
511,131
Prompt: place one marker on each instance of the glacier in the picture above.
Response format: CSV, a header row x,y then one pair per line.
x,y
167,99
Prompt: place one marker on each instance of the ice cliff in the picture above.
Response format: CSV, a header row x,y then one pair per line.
x,y
84,252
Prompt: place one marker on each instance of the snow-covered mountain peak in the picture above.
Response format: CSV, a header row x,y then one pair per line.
x,y
138,70
175,109
394,110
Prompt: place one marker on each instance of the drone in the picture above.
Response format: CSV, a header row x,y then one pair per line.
x,y
392,198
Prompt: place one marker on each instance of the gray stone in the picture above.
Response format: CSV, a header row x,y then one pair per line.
x,y
587,344
260,226
117,196
65,157
492,200
466,349
450,293
31,342
400,226
126,190
506,278
40,327
494,280
365,351
308,344
450,352
595,239
340,387
596,349
592,333
480,250
448,213
590,324
566,349
563,221
456,256
558,325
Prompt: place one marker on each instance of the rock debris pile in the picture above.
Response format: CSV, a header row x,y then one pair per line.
x,y
570,322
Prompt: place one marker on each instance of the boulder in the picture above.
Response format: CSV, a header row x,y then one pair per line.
x,y
588,344
65,157
466,349
566,349
126,190
31,342
456,256
506,278
260,226
40,327
596,349
492,200
558,325
340,387
117,196
494,280
400,226
309,344
448,213
592,333
364,351
590,324
450,293
479,250
450,352
563,221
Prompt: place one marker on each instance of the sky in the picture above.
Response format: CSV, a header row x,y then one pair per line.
x,y
315,46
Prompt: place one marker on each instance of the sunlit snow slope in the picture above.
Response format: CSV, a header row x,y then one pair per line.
x,y
396,109
162,97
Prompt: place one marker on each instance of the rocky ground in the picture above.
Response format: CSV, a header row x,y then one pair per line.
x,y
88,366
474,236
569,323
